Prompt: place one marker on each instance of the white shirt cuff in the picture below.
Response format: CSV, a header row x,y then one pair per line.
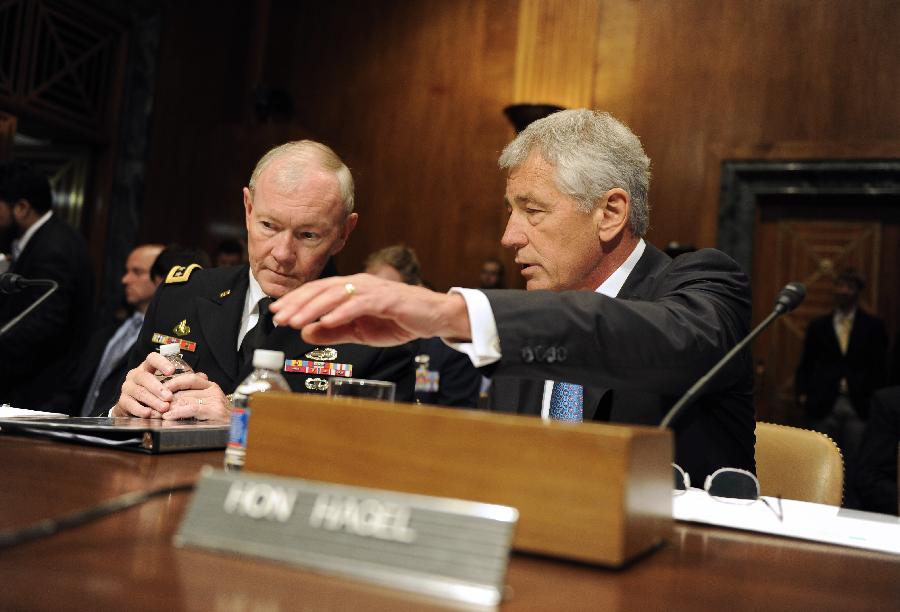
x,y
484,349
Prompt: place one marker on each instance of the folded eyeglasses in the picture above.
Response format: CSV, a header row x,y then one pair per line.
x,y
730,485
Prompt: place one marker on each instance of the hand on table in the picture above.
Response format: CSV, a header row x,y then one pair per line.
x,y
189,395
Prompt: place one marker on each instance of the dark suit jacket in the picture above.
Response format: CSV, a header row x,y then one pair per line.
x,y
822,364
210,303
876,474
636,354
42,345
76,385
459,381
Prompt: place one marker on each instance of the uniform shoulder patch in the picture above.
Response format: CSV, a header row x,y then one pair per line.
x,y
180,274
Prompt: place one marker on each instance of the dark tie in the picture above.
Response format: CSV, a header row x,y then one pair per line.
x,y
567,402
256,337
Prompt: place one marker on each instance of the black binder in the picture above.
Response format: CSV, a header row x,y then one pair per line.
x,y
132,434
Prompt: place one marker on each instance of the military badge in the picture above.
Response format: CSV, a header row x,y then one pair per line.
x,y
316,384
322,354
182,329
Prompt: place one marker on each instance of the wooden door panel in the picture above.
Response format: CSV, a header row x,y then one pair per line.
x,y
812,252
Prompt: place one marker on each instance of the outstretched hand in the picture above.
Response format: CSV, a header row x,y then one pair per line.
x,y
365,309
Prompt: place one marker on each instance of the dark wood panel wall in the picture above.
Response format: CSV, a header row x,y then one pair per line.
x,y
410,93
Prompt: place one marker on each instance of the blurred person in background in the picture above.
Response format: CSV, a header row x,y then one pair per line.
x,y
842,364
492,274
40,346
230,252
443,376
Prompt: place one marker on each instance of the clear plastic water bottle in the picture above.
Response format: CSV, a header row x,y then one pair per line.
x,y
172,352
266,376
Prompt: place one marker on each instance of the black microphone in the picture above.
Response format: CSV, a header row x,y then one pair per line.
x,y
789,297
787,300
10,282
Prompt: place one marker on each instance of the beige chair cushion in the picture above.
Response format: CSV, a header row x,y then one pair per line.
x,y
798,464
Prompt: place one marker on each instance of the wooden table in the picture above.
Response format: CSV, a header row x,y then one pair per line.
x,y
127,561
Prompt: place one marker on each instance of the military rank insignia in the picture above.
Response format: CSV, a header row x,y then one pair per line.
x,y
322,368
180,274
186,345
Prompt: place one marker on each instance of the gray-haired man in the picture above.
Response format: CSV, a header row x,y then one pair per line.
x,y
624,328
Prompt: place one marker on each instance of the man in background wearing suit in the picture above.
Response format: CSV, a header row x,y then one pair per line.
x,y
41,345
101,364
623,329
844,361
298,210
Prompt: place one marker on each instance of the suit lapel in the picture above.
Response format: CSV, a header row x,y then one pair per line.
x,y
220,319
638,286
640,283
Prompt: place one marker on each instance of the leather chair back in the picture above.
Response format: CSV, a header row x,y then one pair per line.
x,y
798,464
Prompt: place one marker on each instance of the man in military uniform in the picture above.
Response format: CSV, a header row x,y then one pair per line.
x,y
299,212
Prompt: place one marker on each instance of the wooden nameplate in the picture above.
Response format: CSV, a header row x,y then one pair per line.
x,y
590,492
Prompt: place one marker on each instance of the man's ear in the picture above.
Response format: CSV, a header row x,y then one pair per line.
x,y
612,214
346,230
21,210
248,207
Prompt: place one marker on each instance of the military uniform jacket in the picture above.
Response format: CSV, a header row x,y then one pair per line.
x,y
636,354
204,312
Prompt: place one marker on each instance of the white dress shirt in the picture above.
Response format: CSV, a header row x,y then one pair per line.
x,y
19,244
484,349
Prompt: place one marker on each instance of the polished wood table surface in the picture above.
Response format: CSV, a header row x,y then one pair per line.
x,y
127,561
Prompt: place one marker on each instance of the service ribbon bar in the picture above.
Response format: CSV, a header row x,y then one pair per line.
x,y
322,368
163,339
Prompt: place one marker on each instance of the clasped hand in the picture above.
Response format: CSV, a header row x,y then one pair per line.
x,y
188,395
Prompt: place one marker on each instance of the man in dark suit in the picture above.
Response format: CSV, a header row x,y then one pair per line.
x,y
623,330
844,356
299,212
844,360
40,346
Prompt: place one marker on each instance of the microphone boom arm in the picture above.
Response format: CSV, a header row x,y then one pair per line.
x,y
53,287
698,386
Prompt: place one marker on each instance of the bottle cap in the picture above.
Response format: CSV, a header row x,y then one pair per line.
x,y
167,350
270,360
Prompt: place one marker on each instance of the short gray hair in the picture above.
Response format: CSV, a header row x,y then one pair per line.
x,y
303,152
592,152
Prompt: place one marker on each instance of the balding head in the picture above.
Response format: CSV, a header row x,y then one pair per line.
x,y
295,159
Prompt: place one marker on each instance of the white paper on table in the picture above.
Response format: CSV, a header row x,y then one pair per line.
x,y
803,520
8,411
